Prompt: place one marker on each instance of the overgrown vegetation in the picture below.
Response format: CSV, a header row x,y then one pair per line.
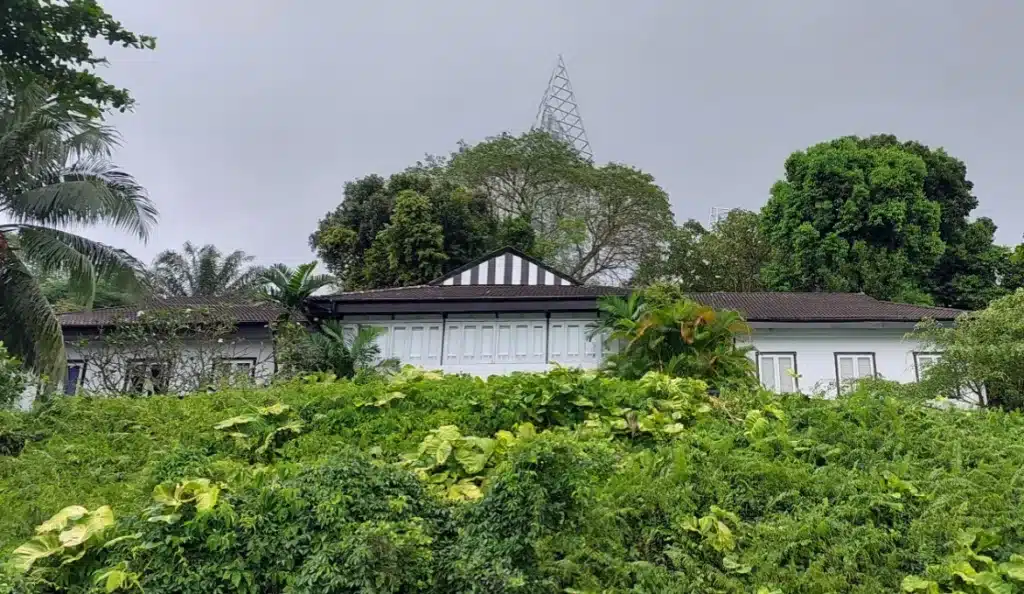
x,y
660,329
562,482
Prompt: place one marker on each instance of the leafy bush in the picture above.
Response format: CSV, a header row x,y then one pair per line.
x,y
982,353
679,337
12,379
542,483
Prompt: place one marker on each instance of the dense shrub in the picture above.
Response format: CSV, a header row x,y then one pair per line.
x,y
660,329
586,484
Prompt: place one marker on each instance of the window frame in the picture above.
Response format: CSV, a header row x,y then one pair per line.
x,y
84,364
148,364
835,359
796,367
917,362
252,361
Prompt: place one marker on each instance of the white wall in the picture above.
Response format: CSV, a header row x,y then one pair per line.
x,y
486,344
816,348
104,369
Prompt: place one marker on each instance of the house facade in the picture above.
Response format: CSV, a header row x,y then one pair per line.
x,y
506,313
185,344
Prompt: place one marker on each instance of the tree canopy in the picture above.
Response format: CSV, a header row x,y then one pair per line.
x,y
727,257
48,43
204,272
883,217
532,192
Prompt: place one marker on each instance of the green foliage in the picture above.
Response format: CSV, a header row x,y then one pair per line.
x,y
593,222
57,289
453,464
54,175
12,382
50,44
727,257
204,272
982,353
346,238
675,336
881,216
289,288
532,192
756,493
261,434
331,349
410,248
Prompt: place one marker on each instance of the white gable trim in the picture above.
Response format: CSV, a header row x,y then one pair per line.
x,y
507,268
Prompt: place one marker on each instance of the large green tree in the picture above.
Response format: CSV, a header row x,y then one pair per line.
x,y
54,174
204,272
594,222
853,217
345,236
882,216
410,249
727,257
50,43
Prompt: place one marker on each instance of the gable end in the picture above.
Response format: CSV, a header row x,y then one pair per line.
x,y
507,266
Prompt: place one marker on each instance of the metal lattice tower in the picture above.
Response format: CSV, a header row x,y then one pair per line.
x,y
718,213
559,114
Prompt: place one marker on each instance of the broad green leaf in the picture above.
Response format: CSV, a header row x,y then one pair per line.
x,y
444,450
913,583
465,491
166,519
274,410
164,495
1014,568
113,541
732,565
471,461
206,500
235,421
60,520
448,433
38,548
992,582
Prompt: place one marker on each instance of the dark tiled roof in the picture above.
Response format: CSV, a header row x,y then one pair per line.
x,y
240,311
476,292
756,307
821,307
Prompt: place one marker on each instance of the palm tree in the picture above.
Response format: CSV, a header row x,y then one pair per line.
x,y
54,175
204,272
290,287
345,354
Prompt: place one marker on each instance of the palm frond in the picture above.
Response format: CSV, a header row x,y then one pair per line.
x,y
82,259
28,325
88,192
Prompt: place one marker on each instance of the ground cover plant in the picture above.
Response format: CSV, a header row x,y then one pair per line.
x,y
559,482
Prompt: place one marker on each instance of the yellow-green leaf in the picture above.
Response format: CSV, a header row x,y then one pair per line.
x,y
60,520
38,548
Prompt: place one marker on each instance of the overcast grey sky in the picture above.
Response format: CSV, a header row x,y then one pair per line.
x,y
253,114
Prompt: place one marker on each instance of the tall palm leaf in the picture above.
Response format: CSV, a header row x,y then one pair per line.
x,y
54,175
204,272
290,287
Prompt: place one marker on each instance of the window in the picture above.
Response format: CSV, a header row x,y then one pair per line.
x,y
75,377
851,367
147,377
236,368
778,371
922,361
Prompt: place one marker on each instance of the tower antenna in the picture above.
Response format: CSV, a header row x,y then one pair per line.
x,y
559,114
